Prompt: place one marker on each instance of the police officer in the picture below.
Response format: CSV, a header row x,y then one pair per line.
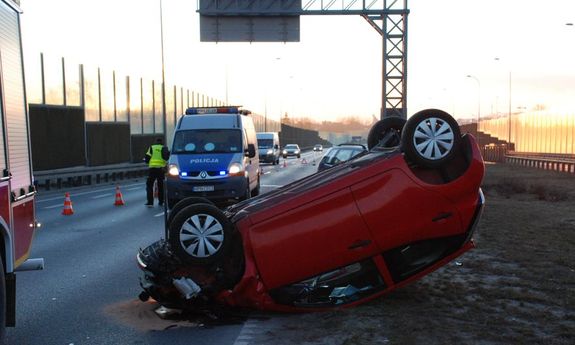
x,y
156,157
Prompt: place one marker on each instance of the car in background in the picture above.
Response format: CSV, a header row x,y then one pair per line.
x,y
334,239
339,154
291,150
318,148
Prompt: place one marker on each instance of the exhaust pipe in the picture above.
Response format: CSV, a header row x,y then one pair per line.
x,y
31,265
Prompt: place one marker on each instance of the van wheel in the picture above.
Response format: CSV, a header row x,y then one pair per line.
x,y
256,191
200,234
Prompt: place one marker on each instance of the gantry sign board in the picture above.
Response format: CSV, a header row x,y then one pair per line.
x,y
249,20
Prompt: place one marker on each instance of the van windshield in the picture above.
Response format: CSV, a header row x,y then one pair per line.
x,y
208,141
265,143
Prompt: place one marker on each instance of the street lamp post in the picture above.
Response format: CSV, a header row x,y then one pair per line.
x,y
163,74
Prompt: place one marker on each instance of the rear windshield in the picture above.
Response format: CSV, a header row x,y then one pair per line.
x,y
291,147
336,156
265,143
208,141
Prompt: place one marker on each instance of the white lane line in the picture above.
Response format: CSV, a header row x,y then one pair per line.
x,y
134,188
100,190
101,196
271,185
53,206
159,214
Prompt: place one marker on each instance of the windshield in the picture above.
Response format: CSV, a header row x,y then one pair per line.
x,y
208,141
265,143
291,147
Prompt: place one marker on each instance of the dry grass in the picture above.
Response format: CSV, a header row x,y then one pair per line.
x,y
518,286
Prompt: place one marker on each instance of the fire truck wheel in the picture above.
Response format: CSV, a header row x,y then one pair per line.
x,y
2,304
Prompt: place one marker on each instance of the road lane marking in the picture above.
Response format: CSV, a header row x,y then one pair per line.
x,y
271,185
159,214
101,196
53,206
134,188
86,193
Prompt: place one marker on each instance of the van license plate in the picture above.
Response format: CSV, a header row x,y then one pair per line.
x,y
203,188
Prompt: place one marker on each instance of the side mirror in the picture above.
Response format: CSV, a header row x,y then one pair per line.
x,y
251,151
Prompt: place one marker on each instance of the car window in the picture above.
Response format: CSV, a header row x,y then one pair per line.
x,y
208,140
291,147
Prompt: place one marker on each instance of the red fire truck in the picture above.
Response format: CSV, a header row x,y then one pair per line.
x,y
17,214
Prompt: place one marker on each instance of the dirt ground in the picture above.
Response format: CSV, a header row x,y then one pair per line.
x,y
516,287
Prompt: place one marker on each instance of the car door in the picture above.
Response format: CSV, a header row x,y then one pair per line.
x,y
311,238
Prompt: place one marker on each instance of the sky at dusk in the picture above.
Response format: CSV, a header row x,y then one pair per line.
x,y
335,70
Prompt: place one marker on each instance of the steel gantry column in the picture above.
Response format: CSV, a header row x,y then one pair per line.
x,y
393,29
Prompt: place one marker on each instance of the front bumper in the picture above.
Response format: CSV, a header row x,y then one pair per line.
x,y
231,187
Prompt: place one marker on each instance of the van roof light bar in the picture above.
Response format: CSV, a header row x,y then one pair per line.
x,y
232,109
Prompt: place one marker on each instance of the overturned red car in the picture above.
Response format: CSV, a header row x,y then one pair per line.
x,y
336,238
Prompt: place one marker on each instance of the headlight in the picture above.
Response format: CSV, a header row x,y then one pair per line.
x,y
270,151
296,152
235,169
284,152
173,170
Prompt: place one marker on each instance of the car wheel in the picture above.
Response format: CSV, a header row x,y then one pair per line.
x,y
200,234
285,156
298,156
430,138
385,132
180,205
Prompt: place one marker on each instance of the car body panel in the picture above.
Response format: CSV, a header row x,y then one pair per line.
x,y
286,251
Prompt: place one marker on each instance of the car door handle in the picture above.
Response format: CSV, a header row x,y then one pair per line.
x,y
359,244
442,216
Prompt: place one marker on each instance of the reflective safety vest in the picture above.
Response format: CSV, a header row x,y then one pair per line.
x,y
155,154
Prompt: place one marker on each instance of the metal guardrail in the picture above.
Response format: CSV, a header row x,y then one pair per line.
x,y
553,162
83,175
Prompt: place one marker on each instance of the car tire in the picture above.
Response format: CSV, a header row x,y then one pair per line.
x,y
382,127
430,138
200,234
180,205
284,156
298,156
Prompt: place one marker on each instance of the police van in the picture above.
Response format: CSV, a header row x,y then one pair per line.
x,y
213,155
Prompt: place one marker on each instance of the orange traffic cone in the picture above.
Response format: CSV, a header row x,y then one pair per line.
x,y
67,211
119,200
304,161
285,163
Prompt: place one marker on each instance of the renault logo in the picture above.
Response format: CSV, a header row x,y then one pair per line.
x,y
203,174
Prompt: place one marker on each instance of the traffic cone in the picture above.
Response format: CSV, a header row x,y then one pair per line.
x,y
285,163
155,189
304,161
119,199
67,211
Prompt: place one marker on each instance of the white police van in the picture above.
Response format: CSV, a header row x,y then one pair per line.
x,y
214,156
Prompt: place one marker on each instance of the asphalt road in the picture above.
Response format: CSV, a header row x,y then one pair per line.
x,y
87,293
